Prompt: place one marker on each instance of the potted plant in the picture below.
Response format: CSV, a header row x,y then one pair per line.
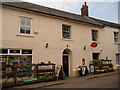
x,y
79,69
49,62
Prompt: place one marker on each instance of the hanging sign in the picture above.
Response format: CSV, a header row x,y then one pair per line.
x,y
94,44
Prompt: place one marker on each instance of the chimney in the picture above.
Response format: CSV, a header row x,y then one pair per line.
x,y
84,10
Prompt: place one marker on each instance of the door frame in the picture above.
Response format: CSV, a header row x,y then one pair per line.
x,y
69,60
96,53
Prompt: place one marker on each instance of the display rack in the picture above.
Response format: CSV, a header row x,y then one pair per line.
x,y
45,71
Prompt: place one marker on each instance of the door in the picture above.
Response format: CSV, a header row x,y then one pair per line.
x,y
95,56
66,64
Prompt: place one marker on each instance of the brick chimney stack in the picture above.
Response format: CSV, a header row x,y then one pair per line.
x,y
84,10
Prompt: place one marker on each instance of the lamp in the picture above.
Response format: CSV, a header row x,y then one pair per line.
x,y
46,45
36,32
101,49
67,45
84,47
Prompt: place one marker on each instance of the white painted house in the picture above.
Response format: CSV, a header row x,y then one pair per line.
x,y
35,34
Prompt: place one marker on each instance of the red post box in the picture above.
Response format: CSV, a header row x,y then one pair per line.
x,y
83,61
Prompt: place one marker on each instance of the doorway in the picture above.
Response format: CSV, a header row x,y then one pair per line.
x,y
95,56
65,62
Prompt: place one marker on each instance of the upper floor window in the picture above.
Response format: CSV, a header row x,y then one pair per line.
x,y
66,32
116,36
25,25
94,35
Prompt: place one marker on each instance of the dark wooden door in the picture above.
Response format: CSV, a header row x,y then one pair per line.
x,y
95,56
66,65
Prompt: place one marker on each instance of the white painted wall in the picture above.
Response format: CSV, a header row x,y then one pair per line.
x,y
50,31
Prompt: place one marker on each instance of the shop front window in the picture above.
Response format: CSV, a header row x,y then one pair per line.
x,y
14,57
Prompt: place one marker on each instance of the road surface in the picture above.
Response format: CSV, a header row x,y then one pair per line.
x,y
99,82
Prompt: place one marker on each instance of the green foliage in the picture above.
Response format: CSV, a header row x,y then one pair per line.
x,y
9,60
26,65
46,77
96,62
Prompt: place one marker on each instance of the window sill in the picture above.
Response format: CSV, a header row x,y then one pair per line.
x,y
67,39
24,35
98,42
117,43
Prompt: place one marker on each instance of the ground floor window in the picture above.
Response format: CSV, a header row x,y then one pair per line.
x,y
118,59
14,57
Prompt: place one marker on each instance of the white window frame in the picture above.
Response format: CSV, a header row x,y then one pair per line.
x,y
16,53
69,31
116,37
25,25
95,35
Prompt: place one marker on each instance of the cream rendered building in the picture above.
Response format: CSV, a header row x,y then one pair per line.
x,y
37,34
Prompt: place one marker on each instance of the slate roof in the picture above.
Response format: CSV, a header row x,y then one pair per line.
x,y
59,14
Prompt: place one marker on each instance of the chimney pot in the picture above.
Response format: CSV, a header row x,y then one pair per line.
x,y
84,9
85,4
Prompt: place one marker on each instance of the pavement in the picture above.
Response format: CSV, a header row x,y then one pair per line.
x,y
65,81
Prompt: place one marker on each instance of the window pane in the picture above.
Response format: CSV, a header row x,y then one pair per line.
x,y
63,27
93,38
118,59
28,22
3,51
22,21
26,51
65,35
94,35
65,52
22,29
27,30
116,36
116,39
14,51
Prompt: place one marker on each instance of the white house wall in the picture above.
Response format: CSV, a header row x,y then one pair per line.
x,y
50,31
0,26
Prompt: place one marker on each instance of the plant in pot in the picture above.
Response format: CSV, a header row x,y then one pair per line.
x,y
49,62
79,68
